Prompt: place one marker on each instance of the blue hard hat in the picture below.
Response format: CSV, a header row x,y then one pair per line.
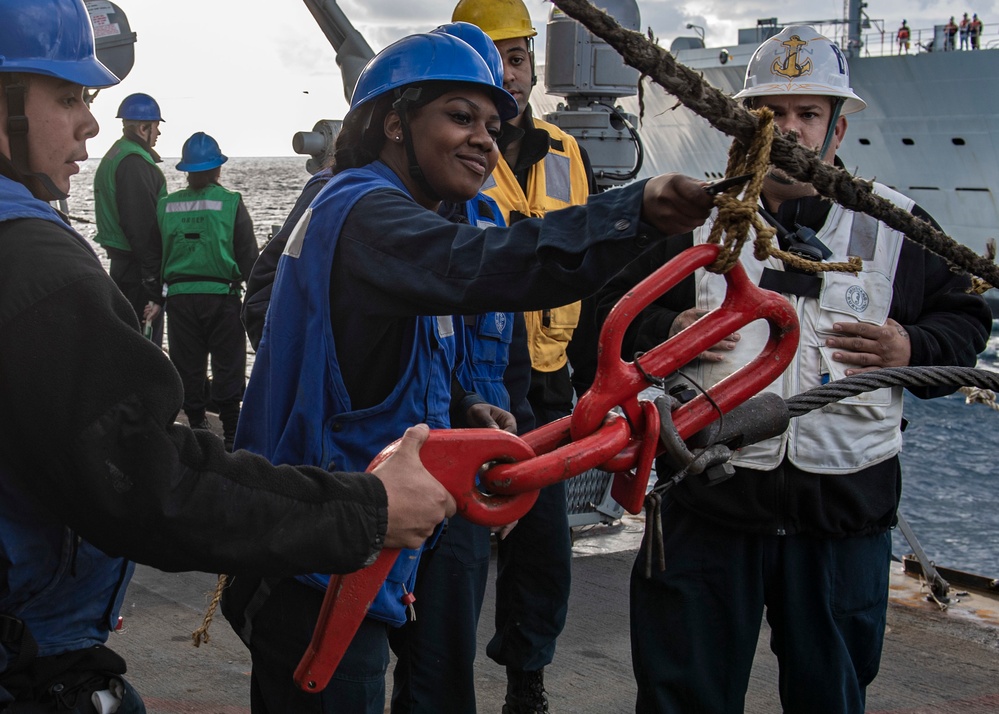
x,y
51,37
428,57
139,107
201,153
480,42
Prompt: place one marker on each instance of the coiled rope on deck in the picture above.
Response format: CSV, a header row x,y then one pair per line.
x,y
799,162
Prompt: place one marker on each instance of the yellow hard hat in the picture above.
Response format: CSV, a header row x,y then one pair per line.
x,y
500,19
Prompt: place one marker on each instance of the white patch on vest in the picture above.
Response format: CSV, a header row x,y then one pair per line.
x,y
500,318
558,181
293,248
857,298
445,325
188,206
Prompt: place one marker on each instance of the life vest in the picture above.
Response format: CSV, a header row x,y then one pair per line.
x,y
197,228
66,591
109,233
853,433
484,350
557,181
296,409
903,34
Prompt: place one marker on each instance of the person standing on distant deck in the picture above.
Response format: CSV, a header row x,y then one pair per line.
x,y
964,28
903,38
975,32
950,30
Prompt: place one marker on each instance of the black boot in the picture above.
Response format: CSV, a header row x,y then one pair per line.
x,y
197,420
525,692
229,416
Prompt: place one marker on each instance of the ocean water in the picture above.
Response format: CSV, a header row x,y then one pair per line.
x,y
950,489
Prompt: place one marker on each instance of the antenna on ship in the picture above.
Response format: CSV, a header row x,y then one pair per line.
x,y
590,75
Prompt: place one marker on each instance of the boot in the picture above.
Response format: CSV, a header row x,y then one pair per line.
x,y
229,416
525,692
197,419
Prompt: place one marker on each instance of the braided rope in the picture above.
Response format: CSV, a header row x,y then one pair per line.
x,y
799,162
201,634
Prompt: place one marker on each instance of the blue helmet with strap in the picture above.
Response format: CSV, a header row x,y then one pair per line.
x,y
51,37
201,153
139,107
428,57
480,42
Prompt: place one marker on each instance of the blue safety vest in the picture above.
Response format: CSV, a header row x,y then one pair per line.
x,y
297,410
66,591
484,349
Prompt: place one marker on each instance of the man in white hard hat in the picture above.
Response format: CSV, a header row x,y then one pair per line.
x,y
801,531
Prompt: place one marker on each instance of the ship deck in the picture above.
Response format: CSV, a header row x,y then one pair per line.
x,y
933,661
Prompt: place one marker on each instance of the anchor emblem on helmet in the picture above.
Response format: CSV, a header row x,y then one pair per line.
x,y
790,68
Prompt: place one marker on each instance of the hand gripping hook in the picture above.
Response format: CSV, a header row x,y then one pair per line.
x,y
454,458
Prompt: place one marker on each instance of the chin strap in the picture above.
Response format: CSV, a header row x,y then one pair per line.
x,y
837,108
39,184
401,105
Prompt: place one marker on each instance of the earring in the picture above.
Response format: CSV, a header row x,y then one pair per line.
x,y
398,138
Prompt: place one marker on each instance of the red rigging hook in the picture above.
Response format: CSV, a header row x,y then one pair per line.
x,y
454,458
573,440
591,437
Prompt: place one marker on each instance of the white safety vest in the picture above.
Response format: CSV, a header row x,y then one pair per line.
x,y
853,433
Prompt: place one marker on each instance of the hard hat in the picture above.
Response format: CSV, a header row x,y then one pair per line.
x,y
427,57
201,153
480,42
799,60
51,37
139,107
500,19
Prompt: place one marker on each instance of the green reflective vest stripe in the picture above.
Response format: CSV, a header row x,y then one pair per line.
x,y
109,233
197,228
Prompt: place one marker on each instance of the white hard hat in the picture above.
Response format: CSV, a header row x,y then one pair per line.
x,y
799,60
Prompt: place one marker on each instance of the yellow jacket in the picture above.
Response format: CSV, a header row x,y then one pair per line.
x,y
557,181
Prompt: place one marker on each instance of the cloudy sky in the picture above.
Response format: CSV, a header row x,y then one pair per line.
x,y
253,72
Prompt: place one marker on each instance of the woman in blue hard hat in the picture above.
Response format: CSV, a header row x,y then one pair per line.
x,y
351,347
94,471
208,251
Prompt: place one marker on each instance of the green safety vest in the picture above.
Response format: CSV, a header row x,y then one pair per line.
x,y
109,233
197,228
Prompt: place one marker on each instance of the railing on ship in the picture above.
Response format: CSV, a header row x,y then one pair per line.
x,y
883,44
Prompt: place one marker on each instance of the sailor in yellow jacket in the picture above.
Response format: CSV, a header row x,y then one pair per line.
x,y
541,169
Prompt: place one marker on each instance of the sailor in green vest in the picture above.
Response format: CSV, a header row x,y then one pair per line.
x,y
127,185
208,251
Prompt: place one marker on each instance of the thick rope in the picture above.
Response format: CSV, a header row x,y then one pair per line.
x,y
799,162
735,215
201,634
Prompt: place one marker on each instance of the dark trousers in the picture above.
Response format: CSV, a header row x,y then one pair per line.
x,y
534,561
124,272
695,626
434,673
279,633
203,326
